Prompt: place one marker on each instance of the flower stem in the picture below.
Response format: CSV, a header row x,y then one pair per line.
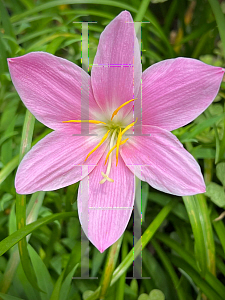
x,y
109,268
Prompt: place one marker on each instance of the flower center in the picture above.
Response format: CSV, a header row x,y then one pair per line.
x,y
117,131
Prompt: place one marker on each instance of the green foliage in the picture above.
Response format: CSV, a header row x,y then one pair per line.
x,y
183,245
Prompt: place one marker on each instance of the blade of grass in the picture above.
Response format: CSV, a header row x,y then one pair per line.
x,y
201,283
15,161
219,228
169,268
109,268
142,10
215,284
194,213
15,237
51,4
122,280
27,135
32,214
220,20
207,232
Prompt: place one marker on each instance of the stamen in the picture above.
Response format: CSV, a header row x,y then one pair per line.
x,y
99,144
129,126
117,146
88,121
116,111
114,147
120,137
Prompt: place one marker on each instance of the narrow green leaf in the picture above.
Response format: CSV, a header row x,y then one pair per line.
x,y
220,20
142,10
4,17
3,56
32,214
109,267
27,134
51,4
14,238
219,228
4,173
190,260
168,266
194,216
201,283
9,297
43,277
207,232
122,280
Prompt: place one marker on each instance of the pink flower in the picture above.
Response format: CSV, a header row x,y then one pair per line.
x,y
174,92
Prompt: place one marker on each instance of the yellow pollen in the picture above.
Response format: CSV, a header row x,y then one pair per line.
x,y
114,147
81,121
99,144
116,111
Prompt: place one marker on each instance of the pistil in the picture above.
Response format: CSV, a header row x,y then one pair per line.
x,y
106,175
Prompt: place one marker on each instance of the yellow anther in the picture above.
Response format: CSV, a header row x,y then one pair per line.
x,y
114,147
105,177
99,144
129,126
116,111
120,137
81,121
117,146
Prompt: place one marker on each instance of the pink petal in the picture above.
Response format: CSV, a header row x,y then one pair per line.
x,y
161,160
50,87
57,161
116,72
105,209
176,91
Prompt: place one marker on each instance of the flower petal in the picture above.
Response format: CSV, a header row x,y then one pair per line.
x,y
161,160
116,72
50,87
176,91
57,161
105,209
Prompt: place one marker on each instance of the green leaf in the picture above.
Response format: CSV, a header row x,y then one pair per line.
x,y
14,238
194,215
156,295
169,268
188,257
66,285
207,232
43,277
109,267
27,134
6,171
216,193
220,20
201,283
220,172
8,297
143,297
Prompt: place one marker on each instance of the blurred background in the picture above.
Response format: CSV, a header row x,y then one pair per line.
x,y
183,239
